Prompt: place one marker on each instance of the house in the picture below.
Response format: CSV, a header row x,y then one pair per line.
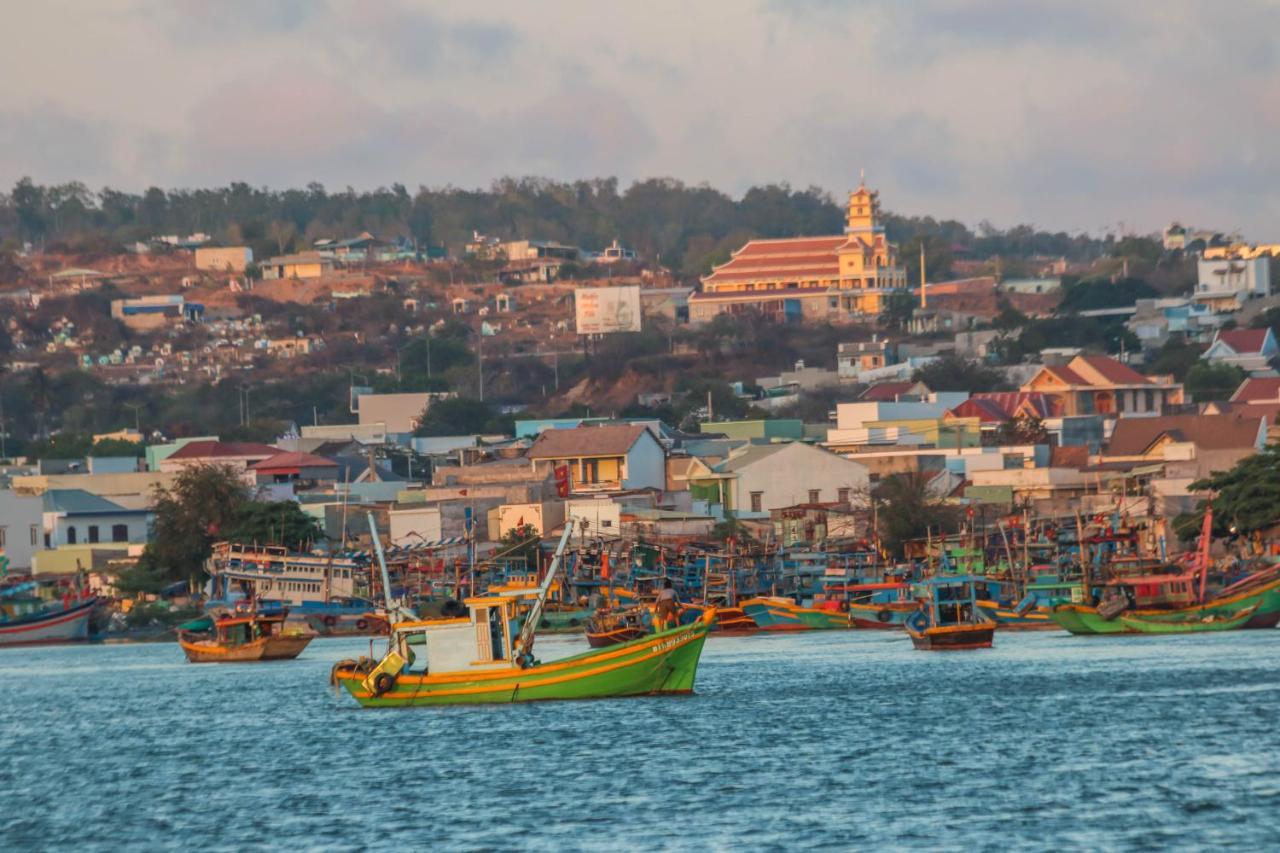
x,y
1191,446
21,529
76,517
1258,389
1095,384
143,313
759,478
854,359
295,467
399,413
1225,284
893,392
306,265
615,252
805,524
1154,321
1251,350
231,454
224,259
992,409
611,457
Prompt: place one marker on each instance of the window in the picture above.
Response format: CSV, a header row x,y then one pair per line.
x,y
93,534
842,495
3,538
119,533
757,501
35,535
815,495
71,536
1151,400
1119,401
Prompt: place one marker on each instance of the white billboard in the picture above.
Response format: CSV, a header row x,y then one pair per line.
x,y
601,310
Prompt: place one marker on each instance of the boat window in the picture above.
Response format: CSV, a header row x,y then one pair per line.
x,y
496,634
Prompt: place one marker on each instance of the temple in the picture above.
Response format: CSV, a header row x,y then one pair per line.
x,y
846,276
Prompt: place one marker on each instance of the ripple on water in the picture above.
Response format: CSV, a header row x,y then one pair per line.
x,y
820,741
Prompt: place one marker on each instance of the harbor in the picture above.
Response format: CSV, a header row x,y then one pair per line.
x,y
832,739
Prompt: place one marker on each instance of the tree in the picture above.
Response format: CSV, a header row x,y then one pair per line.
x,y
1096,293
1024,429
951,373
202,505
1209,381
520,543
274,522
1245,499
908,511
1176,358
457,416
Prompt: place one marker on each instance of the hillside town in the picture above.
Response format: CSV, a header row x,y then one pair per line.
x,y
463,395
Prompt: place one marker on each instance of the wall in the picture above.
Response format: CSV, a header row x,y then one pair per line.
x,y
646,464
399,412
603,516
786,477
104,485
21,518
424,521
136,523
233,258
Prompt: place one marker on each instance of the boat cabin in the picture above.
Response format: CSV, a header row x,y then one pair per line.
x,y
238,630
483,639
951,599
1160,591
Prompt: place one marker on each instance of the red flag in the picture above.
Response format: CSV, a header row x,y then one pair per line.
x,y
604,566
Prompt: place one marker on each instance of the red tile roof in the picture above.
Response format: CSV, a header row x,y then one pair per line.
x,y
1132,436
293,459
1244,341
224,449
606,440
800,257
1112,370
885,392
1259,389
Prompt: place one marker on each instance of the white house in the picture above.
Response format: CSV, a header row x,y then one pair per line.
x,y
1224,284
605,458
761,477
76,517
1249,349
21,528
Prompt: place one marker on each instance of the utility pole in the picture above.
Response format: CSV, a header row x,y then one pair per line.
x,y
924,302
710,413
480,363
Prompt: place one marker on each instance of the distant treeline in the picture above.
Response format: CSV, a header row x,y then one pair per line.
x,y
685,227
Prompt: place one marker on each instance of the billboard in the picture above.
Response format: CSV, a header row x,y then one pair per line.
x,y
601,310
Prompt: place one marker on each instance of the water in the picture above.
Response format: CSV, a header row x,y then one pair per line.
x,y
820,741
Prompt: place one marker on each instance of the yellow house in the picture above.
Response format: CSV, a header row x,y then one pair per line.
x,y
840,276
309,265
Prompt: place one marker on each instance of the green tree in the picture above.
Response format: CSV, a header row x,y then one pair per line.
x,y
1096,293
1245,499
1208,381
203,505
520,543
458,416
908,511
1176,358
276,523
951,373
1024,429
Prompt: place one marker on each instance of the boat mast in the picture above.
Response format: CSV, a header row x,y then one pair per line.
x,y
1206,533
525,641
394,611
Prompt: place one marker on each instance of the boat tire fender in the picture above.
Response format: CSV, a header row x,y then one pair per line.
x,y
885,616
330,620
361,625
383,683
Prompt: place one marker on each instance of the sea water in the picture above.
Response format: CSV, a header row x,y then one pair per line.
x,y
831,740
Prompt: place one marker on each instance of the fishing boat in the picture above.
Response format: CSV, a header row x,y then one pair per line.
x,y
734,620
775,613
348,624
949,617
480,658
879,606
33,621
242,639
1144,625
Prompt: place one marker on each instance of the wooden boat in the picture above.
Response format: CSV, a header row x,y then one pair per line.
x,y
608,627
1141,625
352,625
40,625
1261,602
734,620
476,659
244,639
948,618
773,613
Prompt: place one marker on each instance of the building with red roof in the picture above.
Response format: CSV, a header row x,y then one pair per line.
x,y
1250,350
295,467
1258,389
1099,385
232,454
837,276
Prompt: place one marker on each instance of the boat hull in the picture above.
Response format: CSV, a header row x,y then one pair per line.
x,y
734,620
953,637
1139,625
362,625
1008,619
781,615
662,663
604,639
65,626
285,647
1262,604
881,617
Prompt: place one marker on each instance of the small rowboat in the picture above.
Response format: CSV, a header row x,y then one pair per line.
x,y
610,627
1139,625
244,639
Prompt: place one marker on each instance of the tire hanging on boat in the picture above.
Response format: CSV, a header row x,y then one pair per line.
x,y
383,683
330,620
361,625
885,616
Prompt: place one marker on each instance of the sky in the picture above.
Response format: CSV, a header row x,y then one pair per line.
x,y
1089,116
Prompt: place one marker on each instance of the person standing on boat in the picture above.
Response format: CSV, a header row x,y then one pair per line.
x,y
667,607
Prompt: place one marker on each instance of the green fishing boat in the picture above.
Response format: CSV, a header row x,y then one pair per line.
x,y
1143,625
485,658
1254,603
